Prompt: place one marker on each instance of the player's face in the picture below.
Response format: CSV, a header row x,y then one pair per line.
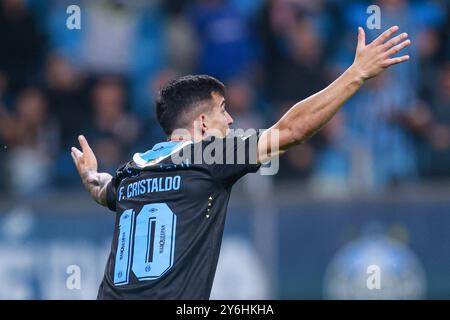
x,y
218,121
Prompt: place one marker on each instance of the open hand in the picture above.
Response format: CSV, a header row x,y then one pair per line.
x,y
374,58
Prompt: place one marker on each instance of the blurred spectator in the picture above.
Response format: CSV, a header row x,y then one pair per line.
x,y
396,127
67,43
380,116
277,18
301,72
110,33
376,119
32,140
295,72
65,88
333,162
138,42
241,104
444,34
227,46
22,44
438,127
65,91
112,130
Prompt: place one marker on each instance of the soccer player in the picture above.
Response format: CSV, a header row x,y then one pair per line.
x,y
170,215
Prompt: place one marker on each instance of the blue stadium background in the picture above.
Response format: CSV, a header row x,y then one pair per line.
x,y
371,188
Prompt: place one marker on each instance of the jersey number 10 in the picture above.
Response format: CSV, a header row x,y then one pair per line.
x,y
146,242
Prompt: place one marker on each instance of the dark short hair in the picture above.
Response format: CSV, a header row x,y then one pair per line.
x,y
178,101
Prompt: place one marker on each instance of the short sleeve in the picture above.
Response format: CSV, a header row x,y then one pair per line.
x,y
239,156
112,187
111,194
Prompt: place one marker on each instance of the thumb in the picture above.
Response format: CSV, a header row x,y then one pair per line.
x,y
361,39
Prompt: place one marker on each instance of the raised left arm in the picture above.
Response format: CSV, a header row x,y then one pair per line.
x,y
308,116
95,182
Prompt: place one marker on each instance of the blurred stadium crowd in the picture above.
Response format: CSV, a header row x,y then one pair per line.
x,y
101,81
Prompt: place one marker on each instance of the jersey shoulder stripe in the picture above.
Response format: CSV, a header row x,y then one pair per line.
x,y
158,153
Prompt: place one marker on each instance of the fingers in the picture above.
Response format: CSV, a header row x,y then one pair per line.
x,y
395,40
398,48
76,154
74,158
385,35
361,39
84,144
397,60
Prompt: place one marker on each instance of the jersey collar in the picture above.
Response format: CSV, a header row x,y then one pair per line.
x,y
159,152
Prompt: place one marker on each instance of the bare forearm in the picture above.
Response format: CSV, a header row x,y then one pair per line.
x,y
96,183
306,117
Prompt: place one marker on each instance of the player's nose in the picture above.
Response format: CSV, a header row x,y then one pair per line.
x,y
230,119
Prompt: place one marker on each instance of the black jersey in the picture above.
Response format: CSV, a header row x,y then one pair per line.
x,y
170,218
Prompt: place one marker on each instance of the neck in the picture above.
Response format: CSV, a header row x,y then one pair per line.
x,y
178,138
187,136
